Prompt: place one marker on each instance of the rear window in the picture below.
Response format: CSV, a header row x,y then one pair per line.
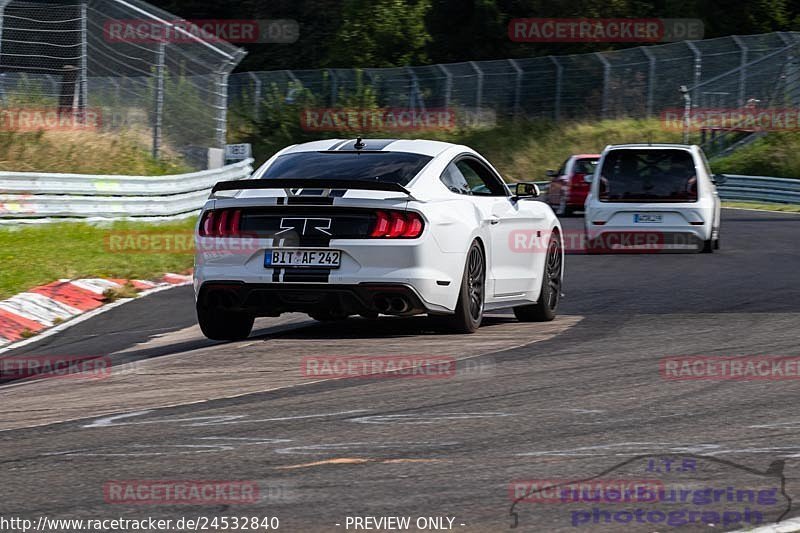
x,y
584,166
392,167
649,176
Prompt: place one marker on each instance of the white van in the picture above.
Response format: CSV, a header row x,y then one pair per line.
x,y
662,194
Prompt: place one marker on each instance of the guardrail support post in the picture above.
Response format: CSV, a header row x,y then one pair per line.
x,y
158,114
557,99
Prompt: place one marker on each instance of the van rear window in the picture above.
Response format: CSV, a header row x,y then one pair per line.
x,y
661,175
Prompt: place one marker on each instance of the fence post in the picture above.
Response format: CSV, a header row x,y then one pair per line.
x,y
84,80
479,90
414,96
698,70
256,95
606,82
448,85
517,87
158,115
687,111
559,76
742,69
334,87
222,104
651,79
3,4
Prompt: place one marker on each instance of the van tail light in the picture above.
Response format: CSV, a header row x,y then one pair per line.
x,y
397,225
221,223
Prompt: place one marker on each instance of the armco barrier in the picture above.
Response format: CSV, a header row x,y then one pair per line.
x,y
33,196
40,197
760,189
748,188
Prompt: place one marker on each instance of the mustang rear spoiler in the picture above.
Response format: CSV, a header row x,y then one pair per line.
x,y
310,183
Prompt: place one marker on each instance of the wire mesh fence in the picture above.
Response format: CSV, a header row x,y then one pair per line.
x,y
114,66
636,82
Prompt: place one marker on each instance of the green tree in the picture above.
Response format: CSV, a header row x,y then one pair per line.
x,y
380,33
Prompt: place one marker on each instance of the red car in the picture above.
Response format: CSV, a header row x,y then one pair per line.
x,y
568,188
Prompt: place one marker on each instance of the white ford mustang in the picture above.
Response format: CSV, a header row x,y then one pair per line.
x,y
336,228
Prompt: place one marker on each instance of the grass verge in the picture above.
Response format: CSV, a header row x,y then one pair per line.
x,y
84,152
33,255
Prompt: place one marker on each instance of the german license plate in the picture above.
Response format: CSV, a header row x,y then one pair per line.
x,y
303,258
647,218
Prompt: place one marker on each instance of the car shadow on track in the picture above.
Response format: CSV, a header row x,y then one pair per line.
x,y
381,328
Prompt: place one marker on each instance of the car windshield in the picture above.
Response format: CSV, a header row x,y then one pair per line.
x,y
391,167
648,175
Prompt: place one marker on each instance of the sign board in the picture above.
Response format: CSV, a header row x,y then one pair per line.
x,y
238,152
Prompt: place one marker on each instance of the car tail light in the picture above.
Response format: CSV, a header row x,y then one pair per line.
x,y
598,222
221,223
397,225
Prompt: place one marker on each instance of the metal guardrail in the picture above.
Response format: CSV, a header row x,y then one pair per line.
x,y
45,197
760,189
747,188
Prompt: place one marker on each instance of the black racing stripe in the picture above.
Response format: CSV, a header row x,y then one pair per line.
x,y
309,200
369,144
315,275
337,145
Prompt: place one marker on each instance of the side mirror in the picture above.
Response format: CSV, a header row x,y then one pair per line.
x,y
588,178
526,190
551,173
719,179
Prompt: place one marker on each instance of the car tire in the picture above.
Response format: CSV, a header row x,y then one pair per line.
x,y
545,309
221,325
716,243
471,296
708,247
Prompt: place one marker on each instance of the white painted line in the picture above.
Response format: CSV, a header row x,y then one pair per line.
x,y
762,210
96,285
786,526
86,316
38,308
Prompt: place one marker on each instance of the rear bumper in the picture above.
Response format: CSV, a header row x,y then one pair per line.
x,y
273,299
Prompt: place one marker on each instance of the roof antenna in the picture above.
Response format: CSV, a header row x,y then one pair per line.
x,y
359,144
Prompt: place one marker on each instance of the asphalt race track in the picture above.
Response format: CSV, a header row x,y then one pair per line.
x,y
581,398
